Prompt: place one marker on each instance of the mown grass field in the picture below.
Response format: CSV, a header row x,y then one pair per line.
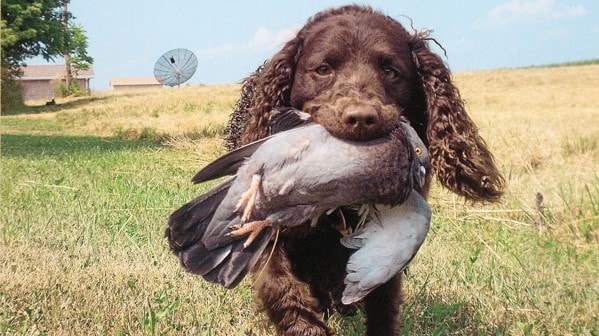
x,y
87,187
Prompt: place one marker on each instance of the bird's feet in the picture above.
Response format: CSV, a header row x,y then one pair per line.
x,y
246,205
252,228
248,199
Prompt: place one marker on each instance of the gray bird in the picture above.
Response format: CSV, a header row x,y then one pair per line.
x,y
285,180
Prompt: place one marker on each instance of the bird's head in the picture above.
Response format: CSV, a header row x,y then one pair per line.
x,y
419,150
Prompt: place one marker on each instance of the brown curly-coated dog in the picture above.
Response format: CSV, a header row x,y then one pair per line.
x,y
356,71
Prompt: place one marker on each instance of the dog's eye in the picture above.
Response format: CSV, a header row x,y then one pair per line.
x,y
390,73
324,70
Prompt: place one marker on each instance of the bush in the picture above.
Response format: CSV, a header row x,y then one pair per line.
x,y
12,96
76,90
61,90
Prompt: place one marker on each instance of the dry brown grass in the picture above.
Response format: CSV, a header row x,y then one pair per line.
x,y
164,112
542,124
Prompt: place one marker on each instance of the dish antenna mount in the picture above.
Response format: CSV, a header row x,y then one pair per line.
x,y
175,67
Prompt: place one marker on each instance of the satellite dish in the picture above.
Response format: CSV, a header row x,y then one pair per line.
x,y
175,67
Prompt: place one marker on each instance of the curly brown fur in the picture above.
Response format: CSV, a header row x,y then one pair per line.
x,y
356,71
459,156
295,312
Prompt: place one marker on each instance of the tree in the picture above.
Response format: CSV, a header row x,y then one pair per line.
x,y
31,28
77,49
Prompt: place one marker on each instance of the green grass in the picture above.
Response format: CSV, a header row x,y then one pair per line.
x,y
82,236
86,191
573,63
40,126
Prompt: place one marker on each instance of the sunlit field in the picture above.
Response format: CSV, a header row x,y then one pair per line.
x,y
87,187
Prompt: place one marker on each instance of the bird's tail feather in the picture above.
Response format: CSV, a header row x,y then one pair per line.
x,y
188,224
226,265
225,261
239,261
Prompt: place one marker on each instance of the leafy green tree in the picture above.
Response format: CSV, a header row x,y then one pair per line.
x,y
79,57
31,28
77,52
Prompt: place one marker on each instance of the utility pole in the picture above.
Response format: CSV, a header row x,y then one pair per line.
x,y
67,54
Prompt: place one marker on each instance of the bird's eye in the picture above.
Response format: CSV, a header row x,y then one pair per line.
x,y
390,73
418,151
324,70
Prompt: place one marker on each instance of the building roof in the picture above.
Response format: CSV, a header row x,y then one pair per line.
x,y
134,81
52,71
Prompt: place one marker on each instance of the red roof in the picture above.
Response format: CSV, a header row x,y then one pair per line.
x,y
52,71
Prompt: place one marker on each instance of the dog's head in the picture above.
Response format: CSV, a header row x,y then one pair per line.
x,y
354,73
357,71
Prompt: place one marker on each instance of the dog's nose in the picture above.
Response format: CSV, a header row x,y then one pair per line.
x,y
360,117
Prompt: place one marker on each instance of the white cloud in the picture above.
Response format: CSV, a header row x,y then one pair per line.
x,y
527,10
263,41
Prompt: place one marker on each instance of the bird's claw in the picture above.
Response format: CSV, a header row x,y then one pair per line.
x,y
252,228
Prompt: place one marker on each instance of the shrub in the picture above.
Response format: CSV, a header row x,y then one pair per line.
x,y
12,95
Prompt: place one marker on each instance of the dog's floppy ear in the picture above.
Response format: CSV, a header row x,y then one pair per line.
x,y
458,154
267,88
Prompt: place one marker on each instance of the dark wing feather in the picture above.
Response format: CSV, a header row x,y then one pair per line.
x,y
188,224
225,265
227,164
199,260
201,242
240,261
285,118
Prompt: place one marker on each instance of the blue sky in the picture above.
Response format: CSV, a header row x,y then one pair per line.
x,y
232,38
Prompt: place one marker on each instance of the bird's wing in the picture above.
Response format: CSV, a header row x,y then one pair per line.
x,y
279,120
226,265
199,238
187,227
198,231
227,164
385,249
